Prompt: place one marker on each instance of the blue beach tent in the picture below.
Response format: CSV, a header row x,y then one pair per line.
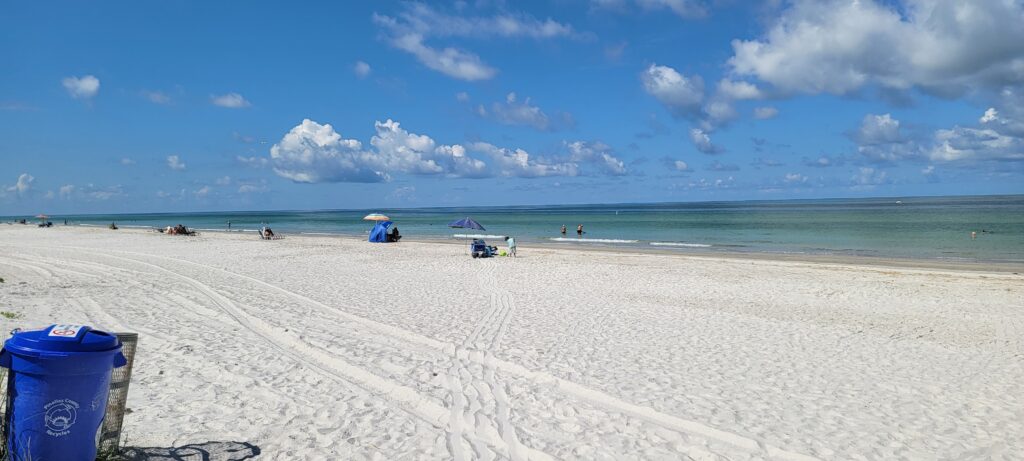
x,y
379,234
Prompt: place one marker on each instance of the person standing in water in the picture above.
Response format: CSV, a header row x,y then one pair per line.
x,y
229,225
563,229
579,230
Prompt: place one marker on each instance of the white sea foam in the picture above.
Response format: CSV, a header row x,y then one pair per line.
x,y
583,240
316,233
680,244
478,236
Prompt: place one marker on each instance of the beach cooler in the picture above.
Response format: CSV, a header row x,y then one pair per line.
x,y
57,391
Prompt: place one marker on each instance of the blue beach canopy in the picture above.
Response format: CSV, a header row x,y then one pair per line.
x,y
466,223
379,233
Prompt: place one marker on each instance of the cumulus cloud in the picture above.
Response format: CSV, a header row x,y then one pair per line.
x,y
175,163
253,162
973,144
22,185
411,28
867,178
702,141
127,161
822,161
680,165
84,87
361,69
680,94
764,113
230,100
598,154
738,90
519,163
407,152
202,192
311,153
66,191
879,139
522,112
223,181
840,46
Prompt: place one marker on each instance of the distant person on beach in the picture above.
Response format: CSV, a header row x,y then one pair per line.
x,y
563,229
511,246
229,225
267,233
974,235
113,226
579,230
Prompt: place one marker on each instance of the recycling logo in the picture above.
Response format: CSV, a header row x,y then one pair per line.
x,y
60,416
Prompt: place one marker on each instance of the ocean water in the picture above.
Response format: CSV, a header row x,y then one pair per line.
x,y
907,227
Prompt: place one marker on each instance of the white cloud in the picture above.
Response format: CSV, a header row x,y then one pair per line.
x,y
223,181
878,129
66,191
764,113
23,185
719,166
738,90
404,193
928,170
311,153
680,165
682,8
840,46
462,96
792,178
687,9
518,162
702,141
680,94
84,87
361,69
157,97
867,178
230,100
410,29
515,112
879,139
598,154
202,192
960,143
407,152
127,161
253,162
449,61
175,163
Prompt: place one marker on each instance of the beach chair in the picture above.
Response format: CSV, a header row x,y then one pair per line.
x,y
271,235
480,249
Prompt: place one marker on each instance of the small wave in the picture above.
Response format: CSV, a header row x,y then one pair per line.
x,y
316,233
582,240
129,226
680,244
478,236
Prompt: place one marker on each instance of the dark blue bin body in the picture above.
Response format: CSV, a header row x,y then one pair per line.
x,y
59,381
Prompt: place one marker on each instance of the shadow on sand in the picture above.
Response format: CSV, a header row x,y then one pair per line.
x,y
209,451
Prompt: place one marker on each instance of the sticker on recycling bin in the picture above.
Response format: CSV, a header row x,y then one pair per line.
x,y
61,414
65,331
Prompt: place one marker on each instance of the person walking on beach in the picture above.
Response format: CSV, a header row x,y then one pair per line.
x,y
563,229
579,230
511,246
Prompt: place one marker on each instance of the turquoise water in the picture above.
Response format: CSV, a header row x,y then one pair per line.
x,y
910,227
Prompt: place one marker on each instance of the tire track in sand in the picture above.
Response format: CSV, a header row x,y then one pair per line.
x,y
436,413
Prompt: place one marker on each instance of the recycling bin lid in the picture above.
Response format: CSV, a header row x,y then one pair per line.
x,y
61,339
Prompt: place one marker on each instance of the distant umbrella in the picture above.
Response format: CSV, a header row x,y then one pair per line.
x,y
466,223
376,217
42,216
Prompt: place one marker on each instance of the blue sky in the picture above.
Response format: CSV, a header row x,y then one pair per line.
x,y
195,106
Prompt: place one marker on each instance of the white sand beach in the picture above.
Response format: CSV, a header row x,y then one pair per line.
x,y
314,348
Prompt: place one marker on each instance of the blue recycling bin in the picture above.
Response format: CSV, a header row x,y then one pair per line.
x,y
57,391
